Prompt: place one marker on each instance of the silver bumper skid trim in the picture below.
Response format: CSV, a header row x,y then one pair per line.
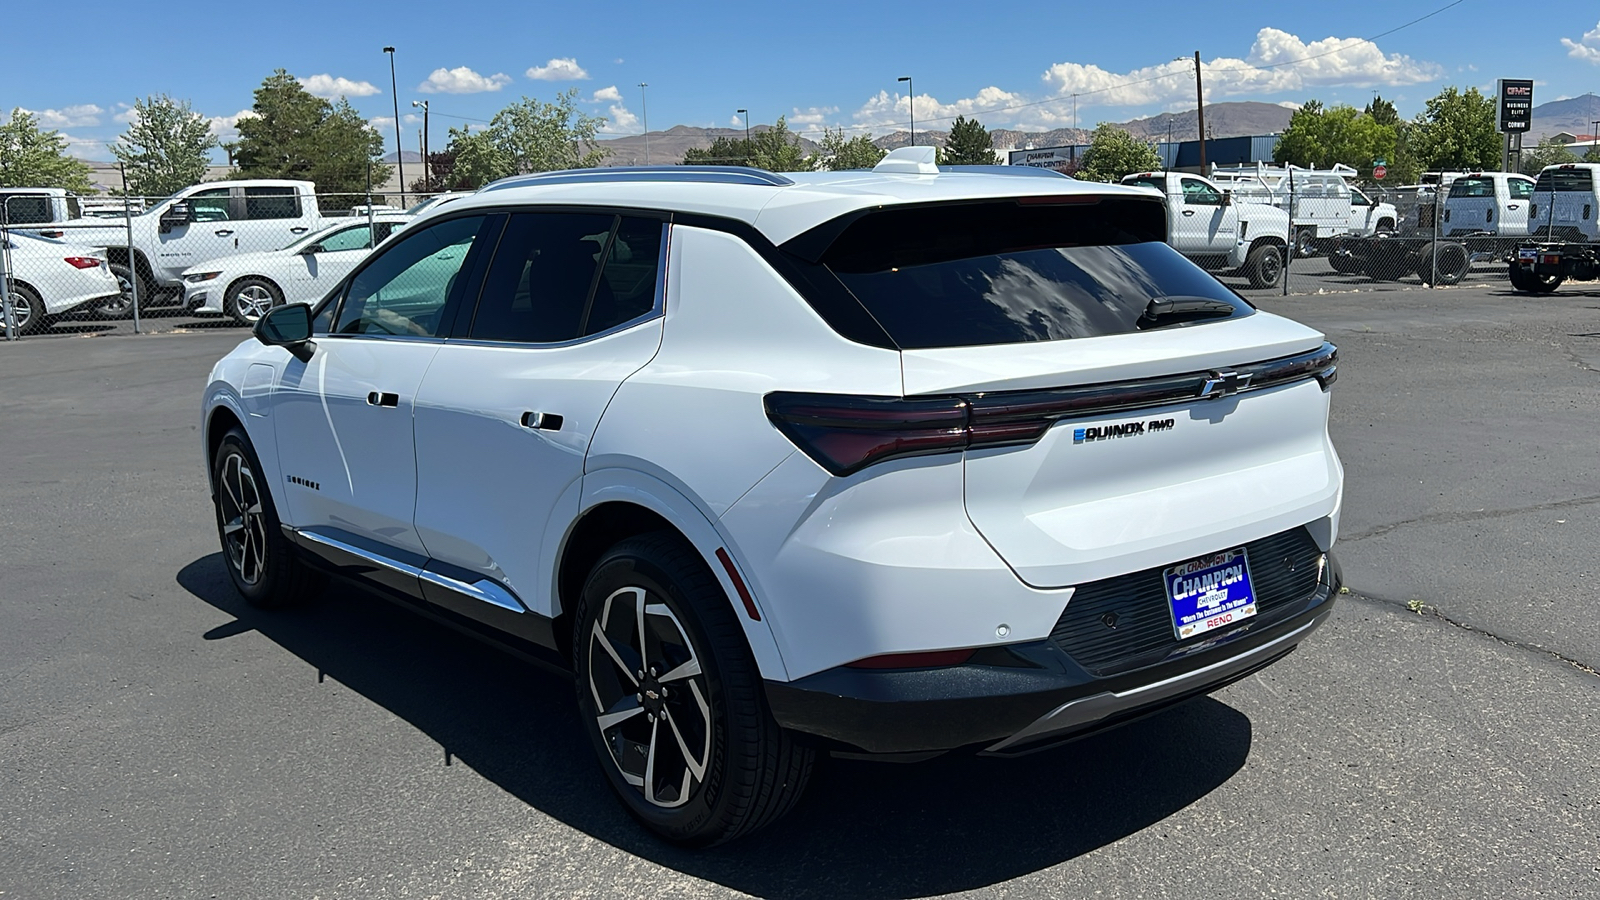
x,y
1086,710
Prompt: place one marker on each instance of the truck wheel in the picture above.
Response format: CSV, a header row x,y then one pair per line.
x,y
1528,282
1519,277
1385,226
120,306
1448,260
1264,266
1344,263
1305,243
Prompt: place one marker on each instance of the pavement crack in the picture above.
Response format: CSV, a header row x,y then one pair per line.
x,y
1453,518
1426,609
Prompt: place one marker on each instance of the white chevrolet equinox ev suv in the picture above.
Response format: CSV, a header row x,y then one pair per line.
x,y
882,463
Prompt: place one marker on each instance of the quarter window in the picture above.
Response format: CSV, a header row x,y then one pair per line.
x,y
405,290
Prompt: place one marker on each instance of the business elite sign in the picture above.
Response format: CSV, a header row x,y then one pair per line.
x,y
1516,104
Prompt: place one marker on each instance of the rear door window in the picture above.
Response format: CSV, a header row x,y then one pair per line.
x,y
974,274
271,203
26,209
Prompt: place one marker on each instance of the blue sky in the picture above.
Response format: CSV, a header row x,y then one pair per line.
x,y
820,63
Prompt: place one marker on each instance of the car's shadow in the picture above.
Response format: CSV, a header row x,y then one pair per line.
x,y
870,830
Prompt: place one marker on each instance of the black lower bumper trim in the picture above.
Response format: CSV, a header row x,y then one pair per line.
x,y
1008,692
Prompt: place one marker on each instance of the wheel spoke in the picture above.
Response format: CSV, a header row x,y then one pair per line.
x,y
698,768
687,670
650,765
616,717
232,526
605,644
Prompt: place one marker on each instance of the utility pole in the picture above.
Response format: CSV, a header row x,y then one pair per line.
x,y
427,164
644,111
399,140
1200,111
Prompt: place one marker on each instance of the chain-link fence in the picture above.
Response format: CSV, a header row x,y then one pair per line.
x,y
227,251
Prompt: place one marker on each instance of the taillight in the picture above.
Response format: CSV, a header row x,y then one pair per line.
x,y
83,262
846,433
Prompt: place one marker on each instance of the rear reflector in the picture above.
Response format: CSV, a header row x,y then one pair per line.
x,y
83,262
738,585
932,659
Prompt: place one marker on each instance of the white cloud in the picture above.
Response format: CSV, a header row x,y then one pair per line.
x,y
607,94
1277,62
1586,48
126,114
84,115
814,116
892,112
333,88
1290,104
462,80
622,120
226,128
558,70
385,124
735,120
86,148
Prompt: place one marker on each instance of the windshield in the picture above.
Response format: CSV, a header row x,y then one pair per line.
x,y
422,206
1565,180
972,274
1472,187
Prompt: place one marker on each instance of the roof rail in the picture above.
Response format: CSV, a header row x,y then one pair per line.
x,y
696,174
1024,171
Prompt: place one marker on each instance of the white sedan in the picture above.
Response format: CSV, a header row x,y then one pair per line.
x,y
49,279
246,285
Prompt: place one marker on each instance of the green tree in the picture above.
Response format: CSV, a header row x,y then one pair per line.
x,y
839,152
1113,153
778,149
296,135
32,157
527,136
1549,152
724,151
969,144
165,147
1457,131
1322,137
1382,111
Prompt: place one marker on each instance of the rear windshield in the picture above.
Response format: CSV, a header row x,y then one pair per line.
x,y
1565,180
1014,272
1472,187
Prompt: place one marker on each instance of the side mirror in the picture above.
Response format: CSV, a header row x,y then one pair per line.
x,y
177,215
287,326
1227,198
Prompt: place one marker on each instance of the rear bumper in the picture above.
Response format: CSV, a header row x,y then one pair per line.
x,y
1018,698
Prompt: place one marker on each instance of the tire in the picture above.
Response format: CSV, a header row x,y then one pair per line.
x,y
1305,243
1448,260
1385,226
121,306
1344,263
27,310
260,560
248,299
1264,265
1537,284
726,768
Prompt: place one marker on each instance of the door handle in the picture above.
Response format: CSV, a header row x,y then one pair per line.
x,y
299,230
383,399
1188,212
538,421
1512,206
224,232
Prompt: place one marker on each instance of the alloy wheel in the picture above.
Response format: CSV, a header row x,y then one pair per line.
x,y
244,533
251,302
651,697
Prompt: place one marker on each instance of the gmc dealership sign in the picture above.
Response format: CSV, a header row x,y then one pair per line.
x,y
1516,104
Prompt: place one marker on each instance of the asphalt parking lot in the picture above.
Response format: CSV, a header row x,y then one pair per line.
x,y
1436,739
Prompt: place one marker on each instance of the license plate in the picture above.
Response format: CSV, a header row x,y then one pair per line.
x,y
1210,592
1527,253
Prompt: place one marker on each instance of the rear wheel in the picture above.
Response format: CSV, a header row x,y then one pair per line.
x,y
121,305
1524,280
672,700
260,559
27,309
1305,242
1264,266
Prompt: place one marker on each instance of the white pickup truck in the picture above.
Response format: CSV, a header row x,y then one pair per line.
x,y
196,224
37,206
1218,233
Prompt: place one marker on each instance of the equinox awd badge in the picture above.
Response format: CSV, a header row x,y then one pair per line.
x,y
1126,429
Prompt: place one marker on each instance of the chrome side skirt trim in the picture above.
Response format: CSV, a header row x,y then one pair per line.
x,y
1086,710
483,590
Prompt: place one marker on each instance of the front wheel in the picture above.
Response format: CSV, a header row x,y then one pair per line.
x,y
249,299
260,559
1264,266
672,700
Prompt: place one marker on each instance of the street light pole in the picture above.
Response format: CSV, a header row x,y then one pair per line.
x,y
644,112
1200,111
911,98
399,142
427,164
746,128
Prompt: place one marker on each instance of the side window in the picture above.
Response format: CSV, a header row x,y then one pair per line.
x,y
404,290
357,238
1198,193
210,205
1359,199
1520,190
627,288
24,209
538,287
271,203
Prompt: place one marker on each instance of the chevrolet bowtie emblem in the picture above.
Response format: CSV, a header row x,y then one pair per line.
x,y
1223,383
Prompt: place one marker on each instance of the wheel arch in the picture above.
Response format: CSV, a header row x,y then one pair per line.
x,y
122,255
219,420
620,503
